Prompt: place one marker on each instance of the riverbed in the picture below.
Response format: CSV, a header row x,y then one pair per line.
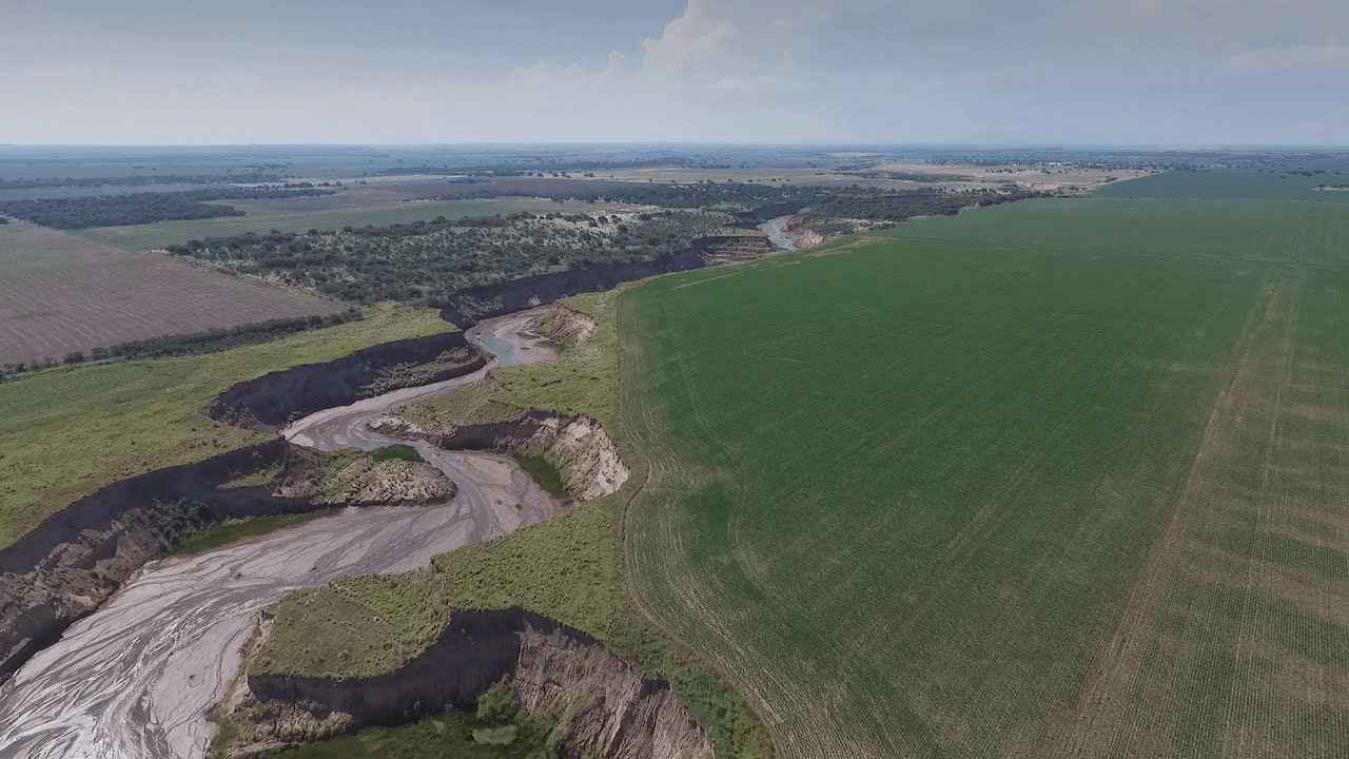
x,y
137,678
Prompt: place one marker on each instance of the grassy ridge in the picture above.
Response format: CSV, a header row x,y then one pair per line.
x,y
70,431
900,495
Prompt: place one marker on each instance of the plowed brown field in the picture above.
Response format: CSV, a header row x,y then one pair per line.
x,y
60,293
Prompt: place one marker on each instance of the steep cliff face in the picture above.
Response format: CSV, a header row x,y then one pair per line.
x,y
577,445
610,709
274,399
79,556
603,703
467,307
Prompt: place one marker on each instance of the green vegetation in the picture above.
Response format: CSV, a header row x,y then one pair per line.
x,y
70,431
349,209
210,341
583,381
1033,480
356,478
567,568
397,453
452,736
428,261
238,530
543,471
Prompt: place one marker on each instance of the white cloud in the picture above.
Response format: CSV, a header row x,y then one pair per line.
x,y
752,70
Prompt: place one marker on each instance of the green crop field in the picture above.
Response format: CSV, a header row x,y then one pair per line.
x,y
72,430
1234,184
1064,478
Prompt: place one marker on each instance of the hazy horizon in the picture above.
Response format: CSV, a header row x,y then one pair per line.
x,y
1132,73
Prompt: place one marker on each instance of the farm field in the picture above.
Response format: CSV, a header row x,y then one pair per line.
x,y
72,430
1062,478
356,208
1234,184
60,293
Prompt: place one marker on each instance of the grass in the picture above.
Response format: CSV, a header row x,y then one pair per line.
x,y
397,453
937,496
567,568
1230,184
583,380
365,626
237,531
543,471
70,431
452,736
317,213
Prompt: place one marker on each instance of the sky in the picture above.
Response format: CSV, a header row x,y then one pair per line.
x,y
1038,72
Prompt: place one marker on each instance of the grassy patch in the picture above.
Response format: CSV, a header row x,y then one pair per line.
x,y
69,431
238,530
452,736
397,453
583,380
544,472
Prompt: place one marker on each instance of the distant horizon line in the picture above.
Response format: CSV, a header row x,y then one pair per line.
x,y
1163,147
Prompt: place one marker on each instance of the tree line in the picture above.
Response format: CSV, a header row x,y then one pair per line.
x,y
195,343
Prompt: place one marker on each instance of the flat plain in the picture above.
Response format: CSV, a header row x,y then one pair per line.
x,y
1062,478
60,293
391,204
71,430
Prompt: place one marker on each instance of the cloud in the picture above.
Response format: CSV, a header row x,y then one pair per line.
x,y
1152,71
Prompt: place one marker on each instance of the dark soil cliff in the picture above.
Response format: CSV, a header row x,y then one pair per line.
x,y
604,704
274,399
76,558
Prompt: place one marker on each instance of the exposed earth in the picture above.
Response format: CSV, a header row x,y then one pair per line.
x,y
138,677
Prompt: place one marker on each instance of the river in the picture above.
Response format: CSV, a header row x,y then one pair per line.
x,y
137,678
776,231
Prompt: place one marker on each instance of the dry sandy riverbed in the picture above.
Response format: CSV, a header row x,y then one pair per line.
x,y
137,678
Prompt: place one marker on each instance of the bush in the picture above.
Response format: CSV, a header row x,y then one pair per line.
x,y
496,706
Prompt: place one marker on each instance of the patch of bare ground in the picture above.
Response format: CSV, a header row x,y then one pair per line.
x,y
1234,639
60,294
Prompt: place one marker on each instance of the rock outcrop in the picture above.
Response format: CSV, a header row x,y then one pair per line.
x,y
563,325
604,704
350,479
578,445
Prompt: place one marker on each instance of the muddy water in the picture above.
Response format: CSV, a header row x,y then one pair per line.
x,y
137,678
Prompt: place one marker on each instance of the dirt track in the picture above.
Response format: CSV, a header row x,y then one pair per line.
x,y
137,678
